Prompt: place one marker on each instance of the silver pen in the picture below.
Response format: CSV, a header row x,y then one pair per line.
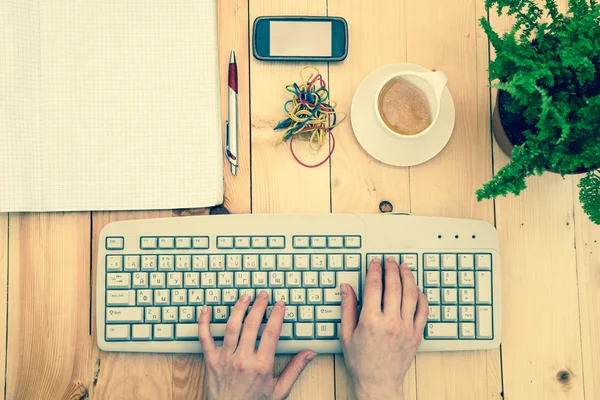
x,y
231,147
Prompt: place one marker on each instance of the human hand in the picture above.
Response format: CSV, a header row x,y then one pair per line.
x,y
238,370
380,346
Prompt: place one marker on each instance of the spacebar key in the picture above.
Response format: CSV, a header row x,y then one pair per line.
x,y
190,331
441,331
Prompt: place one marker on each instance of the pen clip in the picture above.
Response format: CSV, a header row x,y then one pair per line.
x,y
227,135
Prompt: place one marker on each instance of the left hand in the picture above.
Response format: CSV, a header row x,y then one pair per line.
x,y
237,370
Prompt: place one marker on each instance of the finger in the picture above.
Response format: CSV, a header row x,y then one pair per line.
x,y
252,323
410,294
349,312
291,373
204,335
422,313
392,296
234,324
270,336
373,288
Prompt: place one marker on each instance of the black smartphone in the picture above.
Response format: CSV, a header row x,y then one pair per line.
x,y
300,38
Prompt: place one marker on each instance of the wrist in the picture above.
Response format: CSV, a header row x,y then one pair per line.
x,y
379,391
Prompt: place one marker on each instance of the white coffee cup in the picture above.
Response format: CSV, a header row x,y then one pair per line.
x,y
432,84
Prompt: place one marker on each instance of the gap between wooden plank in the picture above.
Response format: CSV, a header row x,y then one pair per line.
x,y
4,232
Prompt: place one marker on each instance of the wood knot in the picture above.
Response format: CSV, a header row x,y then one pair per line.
x,y
564,377
386,207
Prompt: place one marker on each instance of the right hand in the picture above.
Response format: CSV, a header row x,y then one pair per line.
x,y
380,346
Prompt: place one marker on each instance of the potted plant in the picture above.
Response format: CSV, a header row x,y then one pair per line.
x,y
547,115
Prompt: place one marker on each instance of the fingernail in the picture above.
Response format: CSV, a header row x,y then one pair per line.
x,y
391,259
376,260
204,310
310,357
262,294
245,298
344,289
280,304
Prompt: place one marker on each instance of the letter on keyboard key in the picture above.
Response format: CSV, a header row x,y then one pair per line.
x,y
118,281
304,331
433,295
350,278
318,242
114,243
224,242
441,331
328,279
434,313
431,261
217,263
411,260
335,262
333,296
124,314
183,242
290,313
328,313
234,262
325,331
276,242
467,331
267,262
114,263
200,242
120,298
117,332
300,242
432,278
163,332
166,243
352,261
148,243
141,332
484,287
352,242
306,313
484,322
284,263
200,263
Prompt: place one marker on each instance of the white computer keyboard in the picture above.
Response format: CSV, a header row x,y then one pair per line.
x,y
154,276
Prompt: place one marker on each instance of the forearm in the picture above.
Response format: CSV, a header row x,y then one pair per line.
x,y
379,392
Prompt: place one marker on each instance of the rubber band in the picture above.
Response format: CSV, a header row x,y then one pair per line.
x,y
311,114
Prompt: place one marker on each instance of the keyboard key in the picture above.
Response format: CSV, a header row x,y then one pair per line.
x,y
220,313
196,297
166,243
188,331
114,243
318,262
306,313
290,314
259,279
281,295
200,242
304,331
183,243
259,242
484,287
166,263
276,242
449,279
433,295
293,279
170,314
467,296
352,261
131,263
199,263
187,314
175,280
441,331
434,313
393,257
372,257
124,314
332,296
310,279
335,242
242,242
328,313
163,332
431,261
297,296
162,297
148,243
352,242
300,242
432,278
412,260
179,297
318,242
153,315
120,297
199,312
467,331
267,262
325,331
352,279
249,292
216,262
286,331
114,263
448,261
301,262
276,279
230,296
327,279
484,322
465,261
141,332
284,262
242,279
225,279
251,262
208,280
212,296
140,280
467,313
191,280
483,262
449,296
144,297
224,242
234,262
335,262
183,263
118,332
118,281
466,279
449,313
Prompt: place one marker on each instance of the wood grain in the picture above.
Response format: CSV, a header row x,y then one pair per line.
x,y
49,342
360,183
446,185
126,375
3,297
279,184
587,240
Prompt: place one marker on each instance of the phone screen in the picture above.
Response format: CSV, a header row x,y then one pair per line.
x,y
300,38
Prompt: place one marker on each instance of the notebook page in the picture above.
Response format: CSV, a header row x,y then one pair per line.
x,y
129,113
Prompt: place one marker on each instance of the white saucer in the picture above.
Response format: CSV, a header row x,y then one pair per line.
x,y
397,150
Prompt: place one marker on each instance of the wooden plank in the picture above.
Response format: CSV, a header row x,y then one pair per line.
x,y
541,218
587,239
3,297
360,183
446,185
279,184
125,375
49,306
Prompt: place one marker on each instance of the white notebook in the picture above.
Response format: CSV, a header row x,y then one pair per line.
x,y
109,105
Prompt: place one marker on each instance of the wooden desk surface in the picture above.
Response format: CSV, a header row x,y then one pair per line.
x,y
550,251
